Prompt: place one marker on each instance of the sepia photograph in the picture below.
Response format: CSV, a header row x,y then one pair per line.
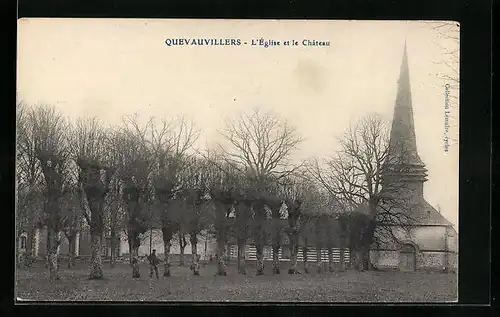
x,y
178,160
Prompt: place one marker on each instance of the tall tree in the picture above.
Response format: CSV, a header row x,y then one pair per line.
x,y
89,142
71,216
225,193
196,217
29,179
171,142
354,177
277,225
447,69
114,203
52,152
134,167
260,145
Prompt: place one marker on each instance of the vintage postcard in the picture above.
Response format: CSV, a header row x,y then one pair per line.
x,y
237,160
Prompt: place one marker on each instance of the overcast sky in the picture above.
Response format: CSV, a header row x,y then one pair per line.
x,y
110,68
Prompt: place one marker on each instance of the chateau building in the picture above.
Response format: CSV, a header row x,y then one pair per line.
x,y
82,245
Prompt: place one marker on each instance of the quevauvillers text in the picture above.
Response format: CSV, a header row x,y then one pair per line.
x,y
260,42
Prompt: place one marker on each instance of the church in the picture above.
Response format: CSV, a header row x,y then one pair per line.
x,y
427,240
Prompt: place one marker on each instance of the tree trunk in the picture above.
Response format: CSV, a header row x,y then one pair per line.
x,y
195,266
221,265
276,258
104,243
342,259
330,260
28,258
318,259
304,256
276,245
129,250
241,256
365,256
112,260
182,247
71,250
358,260
294,250
167,231
134,253
53,242
167,237
95,258
260,259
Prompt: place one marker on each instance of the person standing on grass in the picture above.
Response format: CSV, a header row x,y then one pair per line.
x,y
153,264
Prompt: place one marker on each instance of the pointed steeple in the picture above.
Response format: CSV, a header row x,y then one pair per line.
x,y
403,139
403,161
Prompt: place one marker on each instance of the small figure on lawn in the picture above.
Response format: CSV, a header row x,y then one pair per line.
x,y
153,264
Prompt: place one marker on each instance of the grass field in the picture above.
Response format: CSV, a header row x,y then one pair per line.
x,y
348,286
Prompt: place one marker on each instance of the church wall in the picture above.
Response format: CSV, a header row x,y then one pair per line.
x,y
452,240
385,259
427,238
433,261
453,262
436,249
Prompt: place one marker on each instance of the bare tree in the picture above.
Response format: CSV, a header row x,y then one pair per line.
x,y
114,203
277,226
29,179
354,177
263,199
89,142
52,152
196,216
171,144
260,146
71,215
134,167
182,246
447,35
242,231
261,143
225,191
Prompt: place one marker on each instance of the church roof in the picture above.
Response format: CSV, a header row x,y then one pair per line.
x,y
430,216
423,214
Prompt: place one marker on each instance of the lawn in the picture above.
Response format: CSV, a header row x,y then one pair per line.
x,y
348,286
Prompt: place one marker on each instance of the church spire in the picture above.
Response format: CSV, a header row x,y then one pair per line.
x,y
402,139
403,162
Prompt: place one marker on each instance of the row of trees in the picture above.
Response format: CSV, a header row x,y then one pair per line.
x,y
136,176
